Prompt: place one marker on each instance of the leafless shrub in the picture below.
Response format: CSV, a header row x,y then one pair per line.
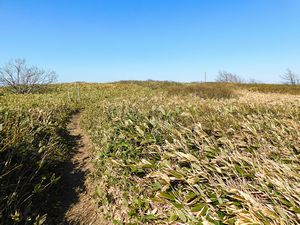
x,y
227,77
290,77
20,78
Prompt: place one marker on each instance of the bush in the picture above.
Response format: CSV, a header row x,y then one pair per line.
x,y
207,91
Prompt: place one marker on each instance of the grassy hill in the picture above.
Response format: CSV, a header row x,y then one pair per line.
x,y
164,152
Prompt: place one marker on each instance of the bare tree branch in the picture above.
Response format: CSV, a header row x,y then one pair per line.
x,y
227,77
290,77
20,78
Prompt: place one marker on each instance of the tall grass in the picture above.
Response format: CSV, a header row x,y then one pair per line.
x,y
165,152
205,90
272,88
32,148
169,159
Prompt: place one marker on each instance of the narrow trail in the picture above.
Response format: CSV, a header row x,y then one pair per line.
x,y
76,202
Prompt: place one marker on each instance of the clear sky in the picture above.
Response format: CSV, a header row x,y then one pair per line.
x,y
109,40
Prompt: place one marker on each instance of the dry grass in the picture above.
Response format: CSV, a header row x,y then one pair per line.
x,y
272,88
32,148
179,159
207,91
166,153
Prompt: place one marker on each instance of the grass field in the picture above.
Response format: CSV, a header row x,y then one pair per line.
x,y
164,152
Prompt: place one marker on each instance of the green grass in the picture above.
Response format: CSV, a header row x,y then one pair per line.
x,y
165,152
32,148
164,158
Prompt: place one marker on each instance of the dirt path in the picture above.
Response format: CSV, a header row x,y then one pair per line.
x,y
76,202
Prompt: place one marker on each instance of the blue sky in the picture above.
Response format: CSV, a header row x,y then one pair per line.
x,y
109,40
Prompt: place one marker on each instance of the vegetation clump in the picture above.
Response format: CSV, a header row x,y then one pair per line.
x,y
203,90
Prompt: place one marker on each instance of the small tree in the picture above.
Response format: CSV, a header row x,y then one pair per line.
x,y
227,77
290,77
19,78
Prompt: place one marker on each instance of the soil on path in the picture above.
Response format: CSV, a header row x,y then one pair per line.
x,y
76,205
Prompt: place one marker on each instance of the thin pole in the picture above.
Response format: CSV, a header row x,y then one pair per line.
x,y
78,93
